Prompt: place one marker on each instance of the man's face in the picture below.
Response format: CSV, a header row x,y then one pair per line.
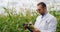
x,y
40,9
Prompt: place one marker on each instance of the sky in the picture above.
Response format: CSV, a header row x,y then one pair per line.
x,y
24,3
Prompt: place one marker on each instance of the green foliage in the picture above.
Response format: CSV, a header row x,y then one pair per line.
x,y
13,22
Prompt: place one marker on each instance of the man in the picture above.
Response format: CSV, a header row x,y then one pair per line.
x,y
45,22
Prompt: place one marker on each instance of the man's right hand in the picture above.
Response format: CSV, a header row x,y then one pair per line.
x,y
36,30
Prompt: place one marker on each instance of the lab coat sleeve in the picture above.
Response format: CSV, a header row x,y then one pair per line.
x,y
35,25
51,26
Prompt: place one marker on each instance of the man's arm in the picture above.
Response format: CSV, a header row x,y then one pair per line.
x,y
33,29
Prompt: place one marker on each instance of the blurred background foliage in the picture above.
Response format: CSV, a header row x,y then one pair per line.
x,y
13,22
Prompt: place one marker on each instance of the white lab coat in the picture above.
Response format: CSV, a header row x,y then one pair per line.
x,y
46,24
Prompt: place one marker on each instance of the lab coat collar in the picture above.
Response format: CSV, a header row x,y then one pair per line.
x,y
45,16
